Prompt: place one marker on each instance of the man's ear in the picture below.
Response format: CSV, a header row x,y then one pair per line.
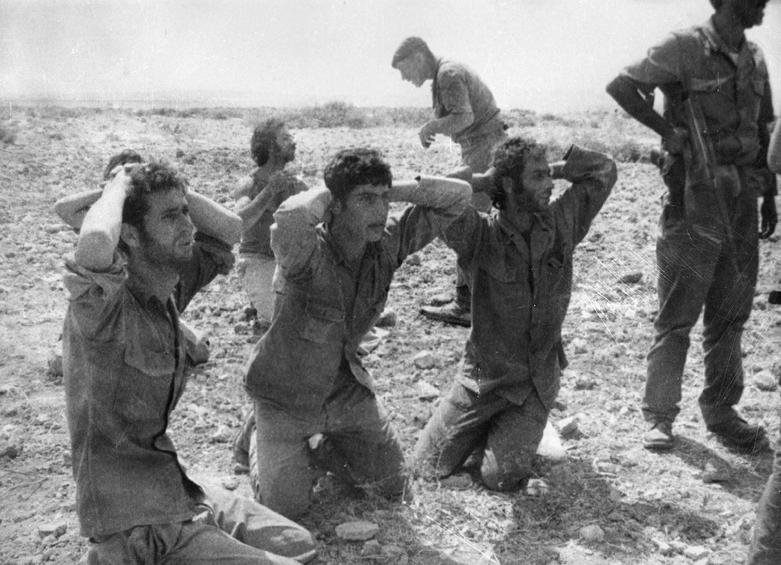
x,y
130,235
335,207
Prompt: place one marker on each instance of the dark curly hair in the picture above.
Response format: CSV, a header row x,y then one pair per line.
x,y
509,161
155,176
122,158
264,139
353,167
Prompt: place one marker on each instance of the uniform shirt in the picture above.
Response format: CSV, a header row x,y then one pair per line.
x,y
323,307
457,89
255,239
521,289
123,364
731,87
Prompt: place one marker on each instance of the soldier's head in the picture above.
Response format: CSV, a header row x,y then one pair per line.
x,y
359,180
522,180
415,61
155,218
123,157
747,13
272,142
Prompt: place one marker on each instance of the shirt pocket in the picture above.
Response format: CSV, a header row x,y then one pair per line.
x,y
143,392
322,322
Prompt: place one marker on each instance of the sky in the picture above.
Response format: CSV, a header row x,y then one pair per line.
x,y
542,55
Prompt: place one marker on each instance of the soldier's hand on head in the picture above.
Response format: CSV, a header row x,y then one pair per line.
x,y
769,216
676,142
121,175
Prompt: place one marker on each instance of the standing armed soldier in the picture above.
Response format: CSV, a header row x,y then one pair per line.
x,y
714,128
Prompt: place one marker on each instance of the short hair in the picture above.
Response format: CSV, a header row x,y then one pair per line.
x,y
122,158
155,176
350,168
410,46
264,139
716,4
509,160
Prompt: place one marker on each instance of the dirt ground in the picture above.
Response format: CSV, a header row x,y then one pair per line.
x,y
649,508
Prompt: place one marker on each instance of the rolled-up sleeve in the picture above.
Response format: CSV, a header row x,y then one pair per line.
x,y
93,295
454,92
211,257
294,234
593,176
660,66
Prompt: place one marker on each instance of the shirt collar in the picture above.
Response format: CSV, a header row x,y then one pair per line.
x,y
716,43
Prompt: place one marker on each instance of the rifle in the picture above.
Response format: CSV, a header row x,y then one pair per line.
x,y
700,158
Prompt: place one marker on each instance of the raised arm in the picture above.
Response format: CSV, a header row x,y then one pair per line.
x,y
213,219
593,176
293,234
72,209
250,209
102,225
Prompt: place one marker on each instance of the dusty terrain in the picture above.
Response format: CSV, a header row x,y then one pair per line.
x,y
650,508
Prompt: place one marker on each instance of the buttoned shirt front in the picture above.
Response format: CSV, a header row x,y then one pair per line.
x,y
324,307
458,89
521,288
123,365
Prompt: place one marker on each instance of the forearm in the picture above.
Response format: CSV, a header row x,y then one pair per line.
x,y
72,209
445,194
213,219
627,94
582,165
250,211
293,234
451,124
101,229
774,149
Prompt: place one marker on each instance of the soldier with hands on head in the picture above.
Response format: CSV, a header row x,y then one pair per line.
x,y
520,259
336,250
124,373
714,127
465,111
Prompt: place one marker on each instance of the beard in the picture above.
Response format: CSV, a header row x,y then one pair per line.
x,y
162,256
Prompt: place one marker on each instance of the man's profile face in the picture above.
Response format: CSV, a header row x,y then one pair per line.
x,y
286,146
412,69
536,187
167,234
365,211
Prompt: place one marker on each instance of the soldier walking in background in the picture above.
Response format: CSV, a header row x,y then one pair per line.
x,y
465,111
717,107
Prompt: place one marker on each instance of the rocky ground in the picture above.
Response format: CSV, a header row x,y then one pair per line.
x,y
611,501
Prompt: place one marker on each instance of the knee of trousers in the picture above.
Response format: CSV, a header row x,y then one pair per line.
x,y
290,505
